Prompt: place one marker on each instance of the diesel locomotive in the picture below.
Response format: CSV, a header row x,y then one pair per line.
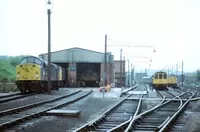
x,y
32,75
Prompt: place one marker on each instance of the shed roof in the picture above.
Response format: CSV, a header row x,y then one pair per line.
x,y
73,49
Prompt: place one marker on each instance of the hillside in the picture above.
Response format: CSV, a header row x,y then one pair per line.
x,y
7,71
7,67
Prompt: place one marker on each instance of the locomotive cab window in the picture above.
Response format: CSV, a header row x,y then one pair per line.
x,y
31,60
37,61
23,61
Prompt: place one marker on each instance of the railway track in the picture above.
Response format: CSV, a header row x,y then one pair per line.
x,y
17,115
159,117
123,93
12,97
167,94
9,95
121,112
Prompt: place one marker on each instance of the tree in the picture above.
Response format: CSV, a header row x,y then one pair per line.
x,y
198,75
15,60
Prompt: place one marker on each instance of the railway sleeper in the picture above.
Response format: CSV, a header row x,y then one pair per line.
x,y
118,117
151,119
153,122
147,126
111,122
129,110
105,127
122,113
98,130
145,129
118,120
109,125
148,123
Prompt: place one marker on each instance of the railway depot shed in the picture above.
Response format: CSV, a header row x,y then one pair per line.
x,y
83,68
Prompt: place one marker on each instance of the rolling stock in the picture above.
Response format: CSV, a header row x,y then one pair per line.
x,y
32,75
159,80
172,81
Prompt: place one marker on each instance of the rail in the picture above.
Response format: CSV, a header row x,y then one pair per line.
x,y
117,128
100,117
175,116
19,117
161,104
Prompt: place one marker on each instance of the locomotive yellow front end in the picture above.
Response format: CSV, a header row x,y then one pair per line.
x,y
29,75
28,72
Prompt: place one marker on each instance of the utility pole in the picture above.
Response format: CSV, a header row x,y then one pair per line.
x,y
121,67
49,6
168,71
182,74
177,72
105,64
128,74
131,74
124,71
110,68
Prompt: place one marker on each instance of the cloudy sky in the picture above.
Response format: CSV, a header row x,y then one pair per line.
x,y
172,27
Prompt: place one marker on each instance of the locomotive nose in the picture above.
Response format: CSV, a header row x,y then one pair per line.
x,y
25,77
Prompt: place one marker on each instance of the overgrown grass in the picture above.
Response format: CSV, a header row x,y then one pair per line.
x,y
7,71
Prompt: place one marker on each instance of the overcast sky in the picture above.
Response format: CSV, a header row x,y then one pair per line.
x,y
171,26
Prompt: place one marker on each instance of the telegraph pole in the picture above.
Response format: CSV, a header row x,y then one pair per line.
x,y
128,74
124,71
131,74
121,67
105,64
49,6
177,71
182,74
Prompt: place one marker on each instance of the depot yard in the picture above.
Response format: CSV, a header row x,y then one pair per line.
x,y
89,108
